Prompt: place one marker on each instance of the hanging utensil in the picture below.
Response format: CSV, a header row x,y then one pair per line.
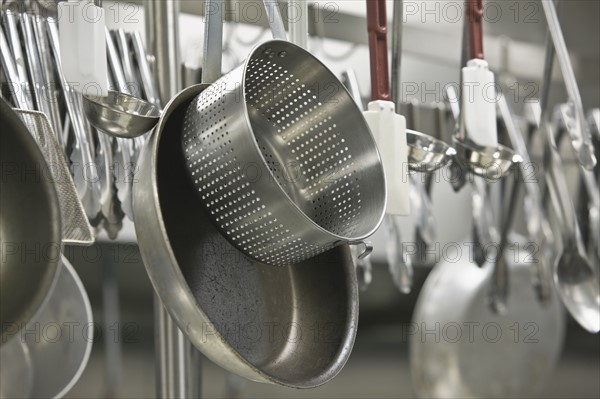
x,y
538,227
575,278
50,355
30,214
387,127
76,229
10,21
316,188
85,170
476,141
185,265
581,140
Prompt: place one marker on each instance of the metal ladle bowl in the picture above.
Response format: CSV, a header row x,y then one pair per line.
x,y
491,163
120,114
427,154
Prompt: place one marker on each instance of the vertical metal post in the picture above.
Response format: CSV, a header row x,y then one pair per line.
x,y
177,361
162,30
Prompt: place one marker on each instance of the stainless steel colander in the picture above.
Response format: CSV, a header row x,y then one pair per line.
x,y
282,157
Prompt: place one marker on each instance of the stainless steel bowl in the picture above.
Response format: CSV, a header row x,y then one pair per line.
x,y
427,154
492,163
30,225
293,326
120,114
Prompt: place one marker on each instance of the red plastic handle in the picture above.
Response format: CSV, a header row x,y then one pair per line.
x,y
377,28
474,14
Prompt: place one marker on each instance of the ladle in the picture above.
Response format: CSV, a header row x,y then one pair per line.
x,y
575,277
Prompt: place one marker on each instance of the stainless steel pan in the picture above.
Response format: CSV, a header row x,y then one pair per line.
x,y
252,319
31,226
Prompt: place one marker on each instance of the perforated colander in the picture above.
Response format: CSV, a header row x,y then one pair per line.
x,y
282,157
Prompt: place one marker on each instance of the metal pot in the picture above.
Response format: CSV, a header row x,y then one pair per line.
x,y
293,326
31,225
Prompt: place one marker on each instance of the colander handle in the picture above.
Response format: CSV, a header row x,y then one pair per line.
x,y
377,28
474,11
275,20
213,40
368,248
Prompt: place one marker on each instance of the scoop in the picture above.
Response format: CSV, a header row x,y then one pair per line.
x,y
120,114
491,163
427,154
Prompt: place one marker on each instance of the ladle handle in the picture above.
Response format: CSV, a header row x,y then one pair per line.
x,y
559,192
474,14
148,81
534,208
8,64
213,40
378,51
275,20
581,138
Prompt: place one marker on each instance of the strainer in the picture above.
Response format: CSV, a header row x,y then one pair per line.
x,y
281,156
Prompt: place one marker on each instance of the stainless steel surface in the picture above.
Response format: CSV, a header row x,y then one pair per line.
x,y
148,82
466,362
10,21
581,139
275,20
298,19
10,69
427,154
120,114
162,27
37,62
174,357
213,37
538,226
76,229
574,276
488,162
209,287
399,265
30,226
178,362
311,189
50,360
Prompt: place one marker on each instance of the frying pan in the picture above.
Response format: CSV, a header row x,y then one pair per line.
x,y
508,355
252,319
31,225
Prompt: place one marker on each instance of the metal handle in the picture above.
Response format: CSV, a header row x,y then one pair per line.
x,y
10,19
474,14
275,20
368,248
150,87
298,24
10,69
378,51
581,138
115,64
132,83
537,224
213,40
349,76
